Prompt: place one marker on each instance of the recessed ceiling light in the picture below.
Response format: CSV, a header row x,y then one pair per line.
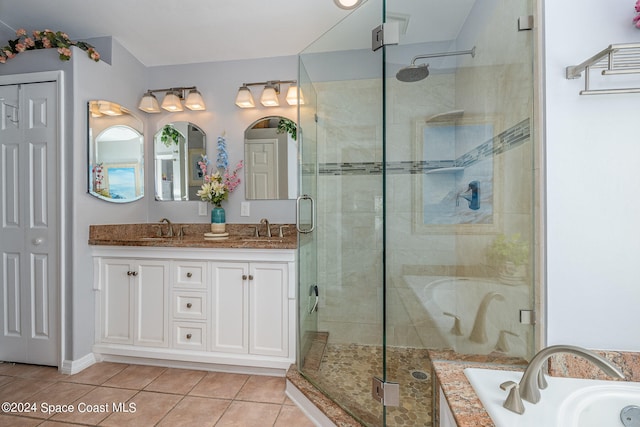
x,y
348,4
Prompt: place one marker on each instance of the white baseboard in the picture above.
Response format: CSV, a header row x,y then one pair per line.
x,y
71,367
306,406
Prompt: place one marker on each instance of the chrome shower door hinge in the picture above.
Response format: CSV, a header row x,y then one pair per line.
x,y
525,23
527,317
387,393
384,35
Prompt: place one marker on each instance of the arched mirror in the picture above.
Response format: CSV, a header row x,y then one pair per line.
x,y
116,153
270,159
177,148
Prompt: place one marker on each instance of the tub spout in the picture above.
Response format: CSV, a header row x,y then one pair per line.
x,y
479,331
533,378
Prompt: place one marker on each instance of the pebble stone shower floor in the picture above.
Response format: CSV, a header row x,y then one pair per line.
x,y
347,371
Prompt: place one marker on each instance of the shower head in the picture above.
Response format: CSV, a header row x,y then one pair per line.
x,y
414,73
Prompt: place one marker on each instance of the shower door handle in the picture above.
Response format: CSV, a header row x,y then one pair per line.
x,y
313,214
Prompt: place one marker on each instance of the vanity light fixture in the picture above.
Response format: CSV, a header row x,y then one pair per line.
x,y
172,100
109,108
270,93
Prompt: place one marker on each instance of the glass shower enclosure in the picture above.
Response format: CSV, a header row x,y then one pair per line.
x,y
417,183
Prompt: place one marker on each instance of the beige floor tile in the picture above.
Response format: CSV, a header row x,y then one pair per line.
x,y
292,416
4,379
97,374
249,414
135,377
178,381
57,398
220,385
8,420
21,389
96,405
145,409
19,369
195,411
263,389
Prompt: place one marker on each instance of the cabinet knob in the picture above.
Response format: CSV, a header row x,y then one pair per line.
x,y
189,305
189,274
188,336
244,277
251,277
134,273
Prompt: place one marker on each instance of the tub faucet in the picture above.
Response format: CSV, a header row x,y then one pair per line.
x,y
479,331
533,378
471,195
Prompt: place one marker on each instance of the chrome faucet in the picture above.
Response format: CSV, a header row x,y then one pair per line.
x,y
533,378
266,221
479,331
170,230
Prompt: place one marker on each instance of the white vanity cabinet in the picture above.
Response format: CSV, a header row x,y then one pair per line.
x,y
134,302
250,308
228,309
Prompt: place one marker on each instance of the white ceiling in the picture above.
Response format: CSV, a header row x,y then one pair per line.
x,y
166,32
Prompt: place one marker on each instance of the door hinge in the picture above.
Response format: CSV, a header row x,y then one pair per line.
x,y
387,393
525,23
385,34
528,317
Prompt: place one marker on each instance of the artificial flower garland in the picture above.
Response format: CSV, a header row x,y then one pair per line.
x,y
45,39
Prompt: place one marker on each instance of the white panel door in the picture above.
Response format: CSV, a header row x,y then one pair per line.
x,y
261,158
151,303
28,229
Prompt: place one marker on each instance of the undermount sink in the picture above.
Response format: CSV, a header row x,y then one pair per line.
x,y
566,402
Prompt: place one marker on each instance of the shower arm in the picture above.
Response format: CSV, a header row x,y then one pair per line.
x,y
471,52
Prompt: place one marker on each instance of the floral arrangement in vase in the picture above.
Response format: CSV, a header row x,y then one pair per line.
x,y
222,181
636,20
45,39
510,256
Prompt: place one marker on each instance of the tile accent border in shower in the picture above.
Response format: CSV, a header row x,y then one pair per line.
x,y
507,140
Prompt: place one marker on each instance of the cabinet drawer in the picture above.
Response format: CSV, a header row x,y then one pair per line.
x,y
189,336
190,274
189,305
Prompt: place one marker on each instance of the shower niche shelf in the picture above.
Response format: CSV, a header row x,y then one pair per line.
x,y
453,169
616,59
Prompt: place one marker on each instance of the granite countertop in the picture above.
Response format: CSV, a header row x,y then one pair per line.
x,y
467,409
465,405
146,234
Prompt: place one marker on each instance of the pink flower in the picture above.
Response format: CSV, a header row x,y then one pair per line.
x,y
21,32
638,6
2,59
93,54
29,42
8,54
64,52
21,47
46,43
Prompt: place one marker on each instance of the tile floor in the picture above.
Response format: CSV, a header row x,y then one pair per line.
x,y
114,394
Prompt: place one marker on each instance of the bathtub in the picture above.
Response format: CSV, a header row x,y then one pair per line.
x,y
470,315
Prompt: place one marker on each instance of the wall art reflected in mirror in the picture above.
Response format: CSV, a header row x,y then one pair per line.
x,y
177,148
270,159
116,153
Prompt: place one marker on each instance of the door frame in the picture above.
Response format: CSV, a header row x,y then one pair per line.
x,y
63,244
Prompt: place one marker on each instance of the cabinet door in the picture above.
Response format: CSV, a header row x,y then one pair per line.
x,y
230,301
151,302
268,311
117,295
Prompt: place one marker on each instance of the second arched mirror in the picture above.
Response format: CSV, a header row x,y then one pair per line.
x,y
270,155
177,148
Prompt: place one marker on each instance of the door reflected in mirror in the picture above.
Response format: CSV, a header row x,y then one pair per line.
x,y
116,153
270,159
177,148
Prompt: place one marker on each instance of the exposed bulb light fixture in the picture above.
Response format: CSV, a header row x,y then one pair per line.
x,y
173,99
348,4
244,99
270,94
